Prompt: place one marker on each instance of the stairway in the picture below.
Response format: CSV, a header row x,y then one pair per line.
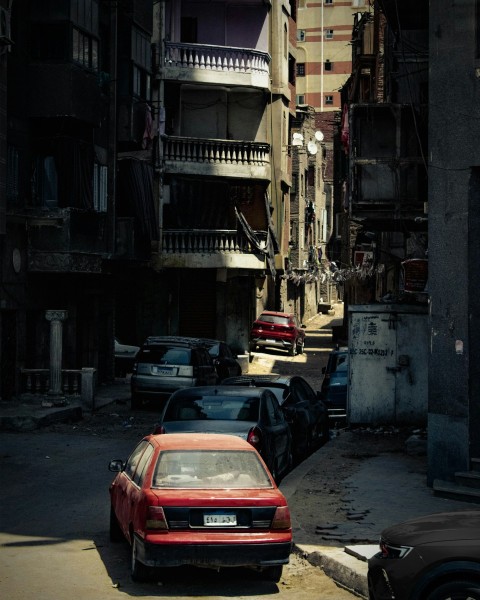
x,y
466,486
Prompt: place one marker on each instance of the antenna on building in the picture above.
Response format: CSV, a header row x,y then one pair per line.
x,y
319,136
312,148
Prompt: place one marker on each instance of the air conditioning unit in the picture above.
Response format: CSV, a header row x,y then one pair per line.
x,y
5,27
358,3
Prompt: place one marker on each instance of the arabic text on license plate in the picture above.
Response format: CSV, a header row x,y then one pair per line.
x,y
162,371
271,341
219,519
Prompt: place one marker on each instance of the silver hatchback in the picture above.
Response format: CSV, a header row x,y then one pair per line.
x,y
166,364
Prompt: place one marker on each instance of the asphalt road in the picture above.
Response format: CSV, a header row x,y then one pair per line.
x,y
54,542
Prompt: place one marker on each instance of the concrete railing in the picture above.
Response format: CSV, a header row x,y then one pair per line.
x,y
229,152
205,241
76,383
216,58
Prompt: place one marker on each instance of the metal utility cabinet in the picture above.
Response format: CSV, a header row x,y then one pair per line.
x,y
388,376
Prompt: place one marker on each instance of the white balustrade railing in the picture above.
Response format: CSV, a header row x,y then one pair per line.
x,y
206,241
213,151
216,58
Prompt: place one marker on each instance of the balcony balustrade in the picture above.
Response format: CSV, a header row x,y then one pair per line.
x,y
226,60
205,241
227,157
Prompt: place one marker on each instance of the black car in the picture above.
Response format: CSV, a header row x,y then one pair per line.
x,y
302,406
436,557
224,359
250,413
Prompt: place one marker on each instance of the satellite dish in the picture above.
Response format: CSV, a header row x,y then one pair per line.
x,y
312,148
319,136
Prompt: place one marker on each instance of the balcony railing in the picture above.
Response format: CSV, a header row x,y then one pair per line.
x,y
228,152
37,381
216,58
205,241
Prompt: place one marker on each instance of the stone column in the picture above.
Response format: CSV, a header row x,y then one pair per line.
x,y
56,318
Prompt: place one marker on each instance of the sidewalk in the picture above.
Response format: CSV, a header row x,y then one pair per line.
x,y
340,498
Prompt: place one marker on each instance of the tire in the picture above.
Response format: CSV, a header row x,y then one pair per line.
x,y
116,534
293,350
456,590
300,347
139,571
251,347
273,574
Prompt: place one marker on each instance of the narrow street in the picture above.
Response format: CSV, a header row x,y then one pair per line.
x,y
54,524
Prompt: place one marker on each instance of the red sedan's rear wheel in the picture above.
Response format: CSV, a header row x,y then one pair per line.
x,y
140,572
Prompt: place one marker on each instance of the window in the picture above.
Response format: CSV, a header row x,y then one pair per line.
x,y
45,182
358,3
300,99
301,35
100,173
294,188
285,42
84,50
326,2
328,99
141,57
12,175
328,66
328,34
142,466
134,459
300,69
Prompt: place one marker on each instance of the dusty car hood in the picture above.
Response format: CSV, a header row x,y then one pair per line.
x,y
439,527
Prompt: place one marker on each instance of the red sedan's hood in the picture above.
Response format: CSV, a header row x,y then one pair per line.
x,y
439,527
219,497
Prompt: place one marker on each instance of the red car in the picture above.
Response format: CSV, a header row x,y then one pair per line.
x,y
277,330
199,499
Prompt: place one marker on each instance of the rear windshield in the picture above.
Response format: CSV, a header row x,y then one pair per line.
x,y
209,469
213,408
164,355
274,319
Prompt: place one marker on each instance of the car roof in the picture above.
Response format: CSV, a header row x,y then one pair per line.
x,y
173,340
217,390
267,379
276,313
209,441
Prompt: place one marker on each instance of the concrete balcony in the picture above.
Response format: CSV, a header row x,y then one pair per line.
x,y
212,249
222,65
221,158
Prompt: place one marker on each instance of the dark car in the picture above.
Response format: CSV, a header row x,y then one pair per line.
x,y
436,557
125,355
303,408
168,363
279,330
250,413
335,384
202,500
224,359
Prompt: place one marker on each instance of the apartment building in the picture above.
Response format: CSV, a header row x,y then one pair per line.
x,y
324,56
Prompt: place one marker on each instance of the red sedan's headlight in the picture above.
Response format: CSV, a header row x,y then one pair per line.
x,y
282,520
156,518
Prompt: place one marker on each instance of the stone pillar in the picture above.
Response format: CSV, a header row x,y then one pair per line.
x,y
56,318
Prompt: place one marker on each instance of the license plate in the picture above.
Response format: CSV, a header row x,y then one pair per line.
x,y
271,341
165,371
219,519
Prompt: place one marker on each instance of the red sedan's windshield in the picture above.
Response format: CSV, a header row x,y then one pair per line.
x,y
207,469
